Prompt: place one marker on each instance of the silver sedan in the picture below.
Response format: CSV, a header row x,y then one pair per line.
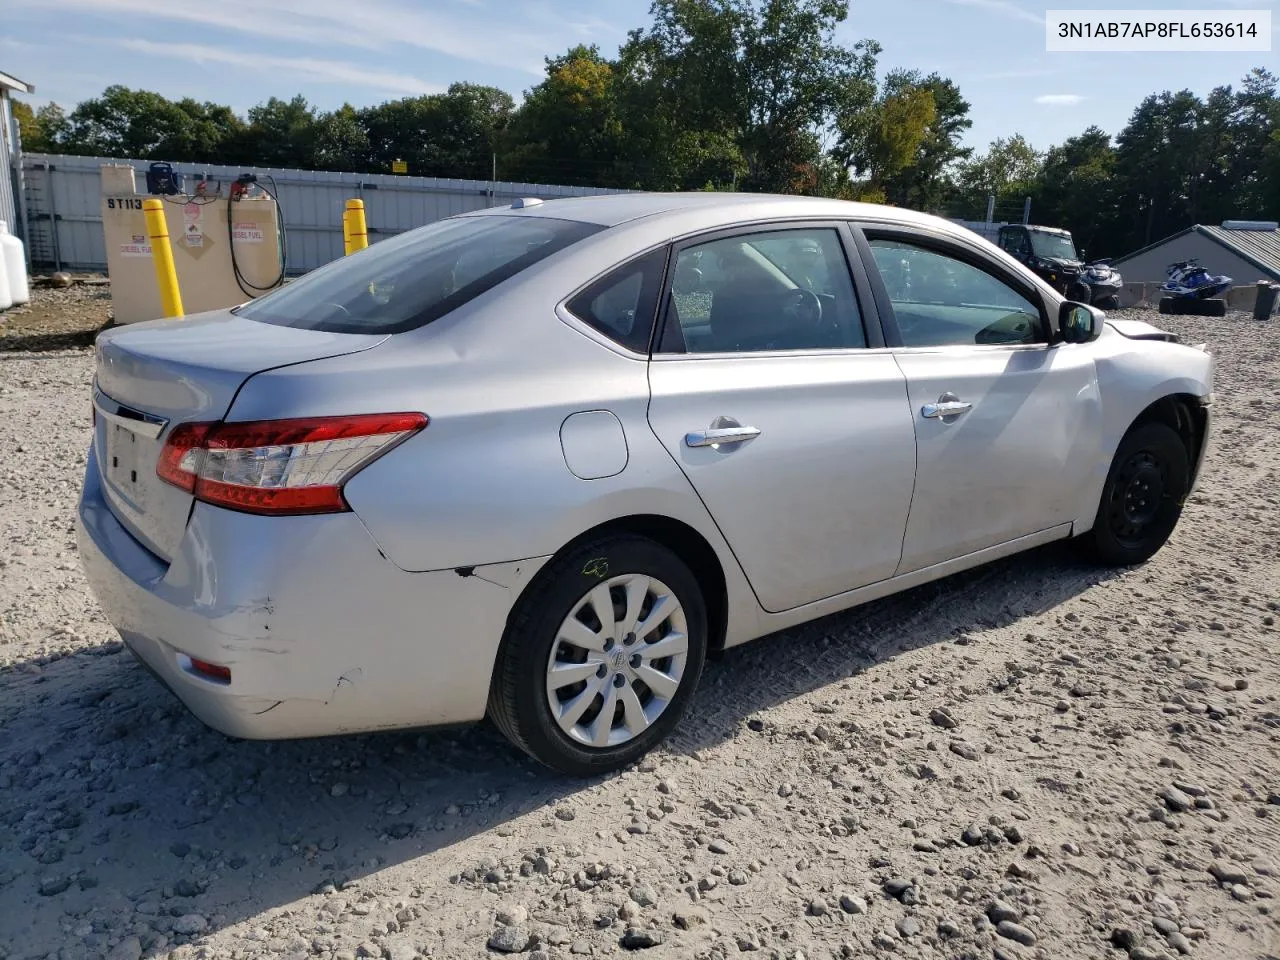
x,y
537,462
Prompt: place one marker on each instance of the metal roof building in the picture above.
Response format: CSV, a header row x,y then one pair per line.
x,y
10,152
1245,252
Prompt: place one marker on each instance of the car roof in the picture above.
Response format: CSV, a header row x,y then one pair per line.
x,y
609,210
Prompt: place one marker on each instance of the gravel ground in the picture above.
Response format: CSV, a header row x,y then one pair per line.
x,y
1034,759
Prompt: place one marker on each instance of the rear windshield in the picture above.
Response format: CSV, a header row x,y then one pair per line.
x,y
416,277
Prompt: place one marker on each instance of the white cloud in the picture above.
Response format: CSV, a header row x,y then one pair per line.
x,y
1005,8
368,24
322,71
1060,100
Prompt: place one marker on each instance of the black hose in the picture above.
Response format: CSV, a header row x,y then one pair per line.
x,y
252,289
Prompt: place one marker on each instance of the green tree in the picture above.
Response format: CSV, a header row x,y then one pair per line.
x,y
280,133
1076,188
1009,171
1256,125
207,129
341,142
879,139
567,129
922,184
1159,156
30,129
736,91
453,134
126,123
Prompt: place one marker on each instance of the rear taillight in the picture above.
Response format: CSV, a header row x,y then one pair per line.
x,y
279,466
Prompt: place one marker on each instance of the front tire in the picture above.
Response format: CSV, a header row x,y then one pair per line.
x,y
1142,499
601,656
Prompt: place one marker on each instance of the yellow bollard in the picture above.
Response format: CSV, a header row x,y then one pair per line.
x,y
357,227
162,257
346,233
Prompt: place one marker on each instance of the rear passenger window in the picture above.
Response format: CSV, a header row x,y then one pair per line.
x,y
761,292
622,304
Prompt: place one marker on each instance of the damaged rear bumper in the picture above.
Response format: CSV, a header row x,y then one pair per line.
x,y
322,634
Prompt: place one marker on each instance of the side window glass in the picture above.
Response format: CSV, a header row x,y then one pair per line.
x,y
939,300
622,304
762,292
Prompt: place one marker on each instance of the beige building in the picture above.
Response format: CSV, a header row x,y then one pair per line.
x,y
1244,255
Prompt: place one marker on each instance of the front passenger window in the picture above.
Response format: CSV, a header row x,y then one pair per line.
x,y
939,300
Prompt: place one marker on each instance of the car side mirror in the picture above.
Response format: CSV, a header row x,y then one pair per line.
x,y
1078,323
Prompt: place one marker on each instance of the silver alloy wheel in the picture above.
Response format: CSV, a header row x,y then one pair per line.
x,y
617,660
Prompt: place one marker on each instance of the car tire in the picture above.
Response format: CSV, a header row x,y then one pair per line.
x,y
1142,499
1167,305
533,716
1110,303
1215,308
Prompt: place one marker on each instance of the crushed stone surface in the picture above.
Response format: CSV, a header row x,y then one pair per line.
x,y
1036,759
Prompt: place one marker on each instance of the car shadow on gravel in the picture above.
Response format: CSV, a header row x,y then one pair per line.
x,y
114,799
48,342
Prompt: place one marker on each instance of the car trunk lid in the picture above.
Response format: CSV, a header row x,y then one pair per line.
x,y
151,377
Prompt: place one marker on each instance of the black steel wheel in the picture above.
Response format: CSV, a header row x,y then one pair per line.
x,y
1143,496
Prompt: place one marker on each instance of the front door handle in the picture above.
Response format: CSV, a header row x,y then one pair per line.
x,y
948,406
720,435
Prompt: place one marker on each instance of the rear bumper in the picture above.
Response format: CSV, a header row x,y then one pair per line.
x,y
322,634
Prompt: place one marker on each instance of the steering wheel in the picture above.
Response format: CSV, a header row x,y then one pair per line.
x,y
805,306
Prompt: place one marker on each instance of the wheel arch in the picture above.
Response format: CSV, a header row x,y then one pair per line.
x,y
682,540
1185,415
1183,412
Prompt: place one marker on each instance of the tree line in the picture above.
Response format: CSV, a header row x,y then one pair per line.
x,y
753,95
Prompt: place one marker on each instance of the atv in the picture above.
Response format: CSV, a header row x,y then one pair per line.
x,y
1051,254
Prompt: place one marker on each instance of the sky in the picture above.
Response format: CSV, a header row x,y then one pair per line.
x,y
240,52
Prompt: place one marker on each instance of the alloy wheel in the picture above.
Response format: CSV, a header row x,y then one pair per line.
x,y
617,660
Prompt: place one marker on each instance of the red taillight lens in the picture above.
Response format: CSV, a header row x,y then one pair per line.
x,y
279,466
182,454
211,671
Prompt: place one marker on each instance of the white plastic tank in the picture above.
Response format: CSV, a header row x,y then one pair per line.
x,y
6,301
15,265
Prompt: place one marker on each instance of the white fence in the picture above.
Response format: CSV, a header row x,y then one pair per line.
x,y
63,220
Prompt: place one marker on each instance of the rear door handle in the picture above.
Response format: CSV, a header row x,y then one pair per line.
x,y
720,435
948,406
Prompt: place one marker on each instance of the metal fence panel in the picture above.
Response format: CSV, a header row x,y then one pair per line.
x,y
65,220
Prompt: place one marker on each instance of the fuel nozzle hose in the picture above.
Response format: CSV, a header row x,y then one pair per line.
x,y
235,195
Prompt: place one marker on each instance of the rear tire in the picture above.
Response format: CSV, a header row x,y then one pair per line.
x,y
1167,305
608,716
1215,308
1142,498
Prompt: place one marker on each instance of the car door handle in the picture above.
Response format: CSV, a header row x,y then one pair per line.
x,y
720,435
948,406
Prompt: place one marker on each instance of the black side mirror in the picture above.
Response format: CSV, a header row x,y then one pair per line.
x,y
1078,323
